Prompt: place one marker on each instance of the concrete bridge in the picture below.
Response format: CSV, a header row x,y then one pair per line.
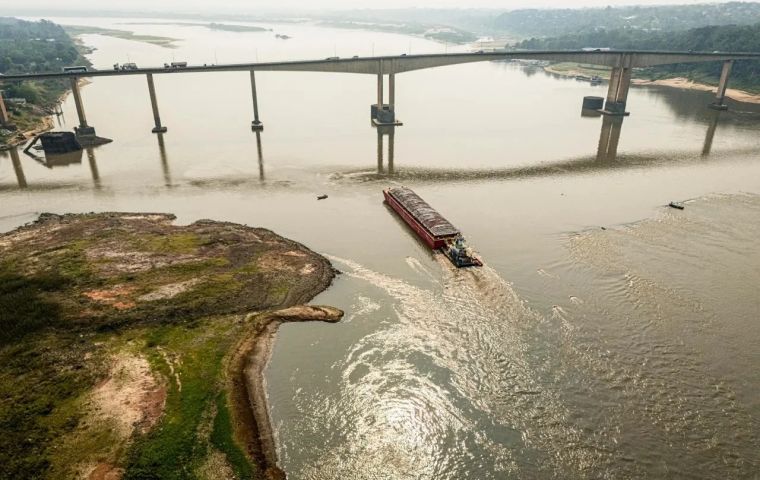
x,y
620,62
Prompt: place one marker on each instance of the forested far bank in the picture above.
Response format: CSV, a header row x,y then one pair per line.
x,y
727,38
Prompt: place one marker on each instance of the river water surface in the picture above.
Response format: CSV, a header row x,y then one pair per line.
x,y
628,351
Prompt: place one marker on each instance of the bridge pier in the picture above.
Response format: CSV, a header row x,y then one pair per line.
x,y
720,94
83,129
154,104
617,93
256,124
85,133
383,113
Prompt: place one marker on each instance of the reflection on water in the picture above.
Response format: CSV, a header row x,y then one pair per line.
x,y
710,135
260,153
390,132
609,138
17,168
164,160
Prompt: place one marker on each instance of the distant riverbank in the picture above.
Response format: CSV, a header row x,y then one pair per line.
x,y
573,69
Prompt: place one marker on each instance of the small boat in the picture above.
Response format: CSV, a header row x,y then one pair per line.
x,y
431,227
676,205
321,197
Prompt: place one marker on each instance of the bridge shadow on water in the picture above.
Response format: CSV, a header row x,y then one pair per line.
x,y
20,161
607,157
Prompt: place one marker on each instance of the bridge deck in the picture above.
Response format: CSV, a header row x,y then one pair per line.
x,y
406,63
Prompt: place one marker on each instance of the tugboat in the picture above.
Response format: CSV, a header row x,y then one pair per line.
x,y
431,227
460,254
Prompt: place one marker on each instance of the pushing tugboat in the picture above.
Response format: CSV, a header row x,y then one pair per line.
x,y
431,227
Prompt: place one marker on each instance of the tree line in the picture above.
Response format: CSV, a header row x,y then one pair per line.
x,y
722,38
27,47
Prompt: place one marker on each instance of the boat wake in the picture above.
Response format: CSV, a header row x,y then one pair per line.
x,y
458,370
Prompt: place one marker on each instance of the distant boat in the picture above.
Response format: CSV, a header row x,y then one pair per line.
x,y
676,205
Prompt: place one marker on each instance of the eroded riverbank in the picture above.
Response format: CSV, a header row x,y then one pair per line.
x,y
116,329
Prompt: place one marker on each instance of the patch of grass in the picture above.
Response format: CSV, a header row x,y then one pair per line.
x,y
41,380
175,448
222,437
25,304
181,243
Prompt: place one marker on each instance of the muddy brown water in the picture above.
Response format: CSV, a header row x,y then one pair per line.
x,y
629,352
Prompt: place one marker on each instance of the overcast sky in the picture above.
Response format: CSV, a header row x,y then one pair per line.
x,y
250,6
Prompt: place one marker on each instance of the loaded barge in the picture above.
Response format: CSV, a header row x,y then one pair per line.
x,y
431,227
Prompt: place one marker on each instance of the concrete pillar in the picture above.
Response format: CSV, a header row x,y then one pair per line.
x,y
83,128
620,84
624,85
392,91
612,90
720,94
256,125
17,168
380,90
154,104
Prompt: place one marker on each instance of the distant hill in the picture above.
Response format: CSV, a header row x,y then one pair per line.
x,y
551,23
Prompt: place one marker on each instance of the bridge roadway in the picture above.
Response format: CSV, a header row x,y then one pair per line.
x,y
621,63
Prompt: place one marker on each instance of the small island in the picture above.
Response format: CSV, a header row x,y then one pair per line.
x,y
131,347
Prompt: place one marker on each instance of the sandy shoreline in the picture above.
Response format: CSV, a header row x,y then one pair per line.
x,y
678,82
247,382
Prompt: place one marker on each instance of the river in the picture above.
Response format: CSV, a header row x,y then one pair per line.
x,y
608,337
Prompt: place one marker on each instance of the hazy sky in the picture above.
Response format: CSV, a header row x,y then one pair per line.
x,y
252,5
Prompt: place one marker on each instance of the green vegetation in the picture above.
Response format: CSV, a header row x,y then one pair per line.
x,y
223,438
745,38
557,22
179,445
89,301
165,42
33,47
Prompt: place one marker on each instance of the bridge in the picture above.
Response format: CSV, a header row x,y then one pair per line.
x,y
621,63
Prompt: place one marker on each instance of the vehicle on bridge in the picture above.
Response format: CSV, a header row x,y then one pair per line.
x,y
76,69
175,65
126,66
